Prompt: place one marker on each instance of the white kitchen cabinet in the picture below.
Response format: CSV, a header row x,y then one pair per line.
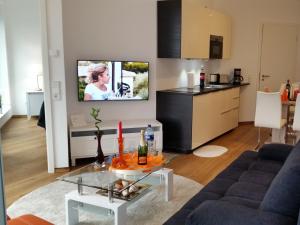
x,y
220,25
195,29
214,114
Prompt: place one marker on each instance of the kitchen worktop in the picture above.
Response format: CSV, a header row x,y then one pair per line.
x,y
208,89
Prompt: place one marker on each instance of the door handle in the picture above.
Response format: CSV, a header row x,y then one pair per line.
x,y
265,76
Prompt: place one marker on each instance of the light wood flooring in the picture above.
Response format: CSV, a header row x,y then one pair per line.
x,y
24,158
25,163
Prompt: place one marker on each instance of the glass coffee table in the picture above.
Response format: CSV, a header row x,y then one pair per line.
x,y
113,189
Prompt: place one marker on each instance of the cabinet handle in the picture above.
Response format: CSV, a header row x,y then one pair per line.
x,y
95,138
236,97
226,111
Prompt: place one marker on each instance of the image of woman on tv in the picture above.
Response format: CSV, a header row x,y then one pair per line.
x,y
98,77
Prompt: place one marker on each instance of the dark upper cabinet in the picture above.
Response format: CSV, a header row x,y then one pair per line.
x,y
184,28
169,29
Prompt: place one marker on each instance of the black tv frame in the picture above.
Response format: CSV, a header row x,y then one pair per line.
x,y
122,100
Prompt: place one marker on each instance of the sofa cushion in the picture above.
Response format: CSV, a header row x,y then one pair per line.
x,y
199,198
269,166
231,173
283,196
247,190
244,160
225,213
242,201
218,186
277,152
257,177
180,217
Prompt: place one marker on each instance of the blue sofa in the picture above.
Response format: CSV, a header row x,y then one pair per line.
x,y
258,188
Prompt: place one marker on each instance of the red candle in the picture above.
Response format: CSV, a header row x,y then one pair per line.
x,y
120,130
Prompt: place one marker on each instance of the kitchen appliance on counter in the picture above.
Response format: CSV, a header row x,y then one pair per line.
x,y
237,77
224,79
215,78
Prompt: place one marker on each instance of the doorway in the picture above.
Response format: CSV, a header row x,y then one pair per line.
x,y
38,155
279,49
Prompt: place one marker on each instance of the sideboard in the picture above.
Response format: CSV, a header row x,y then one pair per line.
x,y
83,141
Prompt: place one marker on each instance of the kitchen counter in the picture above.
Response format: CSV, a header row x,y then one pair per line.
x,y
208,89
192,117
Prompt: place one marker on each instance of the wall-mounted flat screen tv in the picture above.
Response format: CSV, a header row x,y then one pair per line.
x,y
100,80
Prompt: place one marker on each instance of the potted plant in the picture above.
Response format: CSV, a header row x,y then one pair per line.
x,y
100,156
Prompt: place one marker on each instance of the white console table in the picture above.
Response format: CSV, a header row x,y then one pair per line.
x,y
34,102
84,143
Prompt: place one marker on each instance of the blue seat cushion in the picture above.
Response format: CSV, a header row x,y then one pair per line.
x,y
225,213
269,166
245,160
180,217
231,173
242,201
218,186
257,177
247,190
199,198
283,196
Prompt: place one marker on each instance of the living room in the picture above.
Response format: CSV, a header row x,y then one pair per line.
x,y
127,31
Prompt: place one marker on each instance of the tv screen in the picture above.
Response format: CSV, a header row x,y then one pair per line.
x,y
112,80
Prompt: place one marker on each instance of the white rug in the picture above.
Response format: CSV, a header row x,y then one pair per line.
x,y
208,151
48,202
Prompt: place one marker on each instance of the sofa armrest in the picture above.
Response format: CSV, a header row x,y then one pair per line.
x,y
277,152
216,212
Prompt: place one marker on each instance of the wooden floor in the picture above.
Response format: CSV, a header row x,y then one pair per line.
x,y
203,170
25,164
24,158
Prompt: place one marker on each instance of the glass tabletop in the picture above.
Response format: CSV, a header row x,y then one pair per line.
x,y
108,182
91,176
107,179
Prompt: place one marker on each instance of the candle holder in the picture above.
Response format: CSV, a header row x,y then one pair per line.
x,y
121,163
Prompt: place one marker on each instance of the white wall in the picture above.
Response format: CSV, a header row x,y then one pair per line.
x,y
57,74
117,30
172,73
247,18
23,49
4,81
113,30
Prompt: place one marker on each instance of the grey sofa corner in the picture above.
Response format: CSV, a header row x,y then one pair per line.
x,y
258,188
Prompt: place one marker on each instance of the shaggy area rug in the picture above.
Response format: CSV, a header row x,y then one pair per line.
x,y
48,202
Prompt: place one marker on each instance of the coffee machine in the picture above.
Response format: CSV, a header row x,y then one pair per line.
x,y
237,77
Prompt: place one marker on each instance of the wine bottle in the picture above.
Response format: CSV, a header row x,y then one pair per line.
x,y
202,79
142,150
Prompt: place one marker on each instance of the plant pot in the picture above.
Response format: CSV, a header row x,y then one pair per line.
x,y
100,155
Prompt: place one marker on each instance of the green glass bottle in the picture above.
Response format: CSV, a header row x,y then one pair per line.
x,y
142,150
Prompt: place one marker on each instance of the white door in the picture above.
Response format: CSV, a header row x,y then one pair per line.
x,y
278,55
